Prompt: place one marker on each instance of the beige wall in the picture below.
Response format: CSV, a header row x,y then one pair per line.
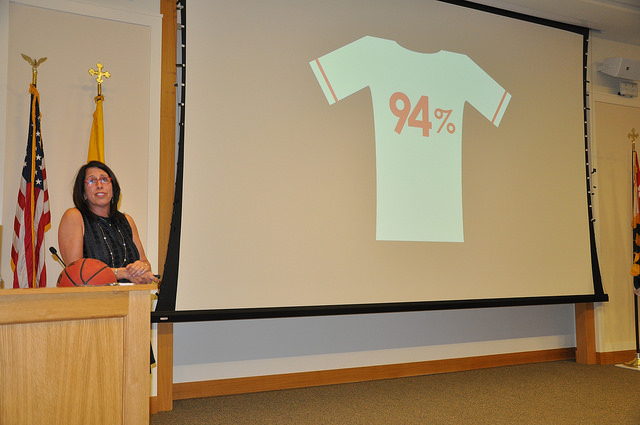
x,y
614,193
613,118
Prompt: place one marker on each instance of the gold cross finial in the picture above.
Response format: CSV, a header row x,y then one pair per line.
x,y
99,74
633,136
35,63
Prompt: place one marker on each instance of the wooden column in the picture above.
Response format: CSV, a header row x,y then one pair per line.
x,y
164,355
585,333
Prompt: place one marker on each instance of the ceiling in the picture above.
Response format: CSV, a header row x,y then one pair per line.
x,y
617,20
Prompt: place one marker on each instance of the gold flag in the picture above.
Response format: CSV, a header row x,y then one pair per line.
x,y
96,141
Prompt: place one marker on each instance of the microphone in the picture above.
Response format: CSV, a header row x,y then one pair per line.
x,y
55,254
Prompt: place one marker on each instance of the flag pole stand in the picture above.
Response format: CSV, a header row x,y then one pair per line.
x,y
635,363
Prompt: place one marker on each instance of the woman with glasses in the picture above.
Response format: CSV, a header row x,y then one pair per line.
x,y
96,229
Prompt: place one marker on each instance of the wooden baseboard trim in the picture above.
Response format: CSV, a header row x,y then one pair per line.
x,y
187,390
615,357
219,387
154,406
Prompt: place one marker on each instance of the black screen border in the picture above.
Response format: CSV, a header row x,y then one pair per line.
x,y
165,311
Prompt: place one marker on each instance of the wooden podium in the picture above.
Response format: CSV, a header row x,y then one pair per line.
x,y
75,355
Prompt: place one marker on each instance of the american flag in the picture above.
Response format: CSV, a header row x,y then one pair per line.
x,y
33,218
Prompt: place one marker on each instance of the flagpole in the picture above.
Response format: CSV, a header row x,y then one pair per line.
x,y
99,74
635,363
35,63
96,138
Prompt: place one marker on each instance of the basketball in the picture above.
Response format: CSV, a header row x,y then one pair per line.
x,y
86,272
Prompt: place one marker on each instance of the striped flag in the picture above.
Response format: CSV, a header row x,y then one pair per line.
x,y
96,140
635,268
33,218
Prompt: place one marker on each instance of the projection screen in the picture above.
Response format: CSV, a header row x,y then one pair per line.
x,y
398,153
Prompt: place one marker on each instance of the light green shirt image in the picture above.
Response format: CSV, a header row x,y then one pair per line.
x,y
418,101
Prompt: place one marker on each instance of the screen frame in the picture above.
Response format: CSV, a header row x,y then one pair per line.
x,y
165,309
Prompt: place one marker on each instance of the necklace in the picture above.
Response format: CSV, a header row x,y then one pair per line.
x,y
106,241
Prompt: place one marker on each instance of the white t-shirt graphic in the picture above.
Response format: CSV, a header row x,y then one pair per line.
x,y
418,101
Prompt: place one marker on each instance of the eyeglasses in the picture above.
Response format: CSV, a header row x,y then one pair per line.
x,y
93,180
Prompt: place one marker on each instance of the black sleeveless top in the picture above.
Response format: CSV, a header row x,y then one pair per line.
x,y
110,240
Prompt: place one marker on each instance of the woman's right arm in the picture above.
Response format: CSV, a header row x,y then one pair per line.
x,y
71,236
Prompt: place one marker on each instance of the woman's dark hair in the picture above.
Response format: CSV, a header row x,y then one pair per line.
x,y
79,199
